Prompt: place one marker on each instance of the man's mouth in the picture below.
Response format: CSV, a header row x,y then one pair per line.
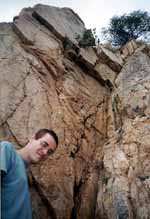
x,y
41,156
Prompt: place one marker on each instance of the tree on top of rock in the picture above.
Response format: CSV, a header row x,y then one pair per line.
x,y
130,26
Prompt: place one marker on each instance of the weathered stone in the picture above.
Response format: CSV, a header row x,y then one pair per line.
x,y
89,55
101,167
128,49
131,136
106,73
122,206
32,33
114,61
51,93
63,20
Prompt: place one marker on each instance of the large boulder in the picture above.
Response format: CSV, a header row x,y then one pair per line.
x,y
40,87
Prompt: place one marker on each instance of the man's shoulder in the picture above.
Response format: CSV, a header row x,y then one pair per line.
x,y
6,155
6,148
6,145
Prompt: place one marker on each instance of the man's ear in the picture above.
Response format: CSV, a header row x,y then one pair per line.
x,y
32,138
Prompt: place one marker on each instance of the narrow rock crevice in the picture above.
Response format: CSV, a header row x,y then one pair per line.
x,y
76,195
46,203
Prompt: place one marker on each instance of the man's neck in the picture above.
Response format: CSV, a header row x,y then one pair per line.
x,y
23,152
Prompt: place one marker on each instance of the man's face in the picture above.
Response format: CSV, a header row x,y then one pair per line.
x,y
40,149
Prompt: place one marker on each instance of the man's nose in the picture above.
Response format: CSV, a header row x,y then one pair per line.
x,y
45,151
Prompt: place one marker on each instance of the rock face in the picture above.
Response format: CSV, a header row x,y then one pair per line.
x,y
96,100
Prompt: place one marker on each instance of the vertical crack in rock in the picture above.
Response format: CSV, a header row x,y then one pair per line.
x,y
18,104
76,195
48,61
116,111
45,201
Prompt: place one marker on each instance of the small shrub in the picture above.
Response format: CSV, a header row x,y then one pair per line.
x,y
87,39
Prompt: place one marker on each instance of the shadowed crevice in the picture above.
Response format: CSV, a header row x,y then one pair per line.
x,y
46,203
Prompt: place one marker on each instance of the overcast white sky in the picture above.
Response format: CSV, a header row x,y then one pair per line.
x,y
94,13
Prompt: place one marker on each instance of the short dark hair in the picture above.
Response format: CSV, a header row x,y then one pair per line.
x,y
41,132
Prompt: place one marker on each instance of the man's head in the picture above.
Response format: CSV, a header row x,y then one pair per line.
x,y
42,144
41,132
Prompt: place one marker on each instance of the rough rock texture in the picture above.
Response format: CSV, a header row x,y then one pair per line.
x,y
128,49
97,102
126,191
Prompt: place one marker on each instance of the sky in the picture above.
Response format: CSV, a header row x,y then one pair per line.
x,y
94,13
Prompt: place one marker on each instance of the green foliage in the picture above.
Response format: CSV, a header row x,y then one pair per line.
x,y
127,27
87,40
105,178
67,43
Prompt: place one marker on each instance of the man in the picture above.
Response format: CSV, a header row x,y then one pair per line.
x,y
15,198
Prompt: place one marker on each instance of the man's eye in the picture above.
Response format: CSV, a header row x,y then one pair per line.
x,y
44,144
